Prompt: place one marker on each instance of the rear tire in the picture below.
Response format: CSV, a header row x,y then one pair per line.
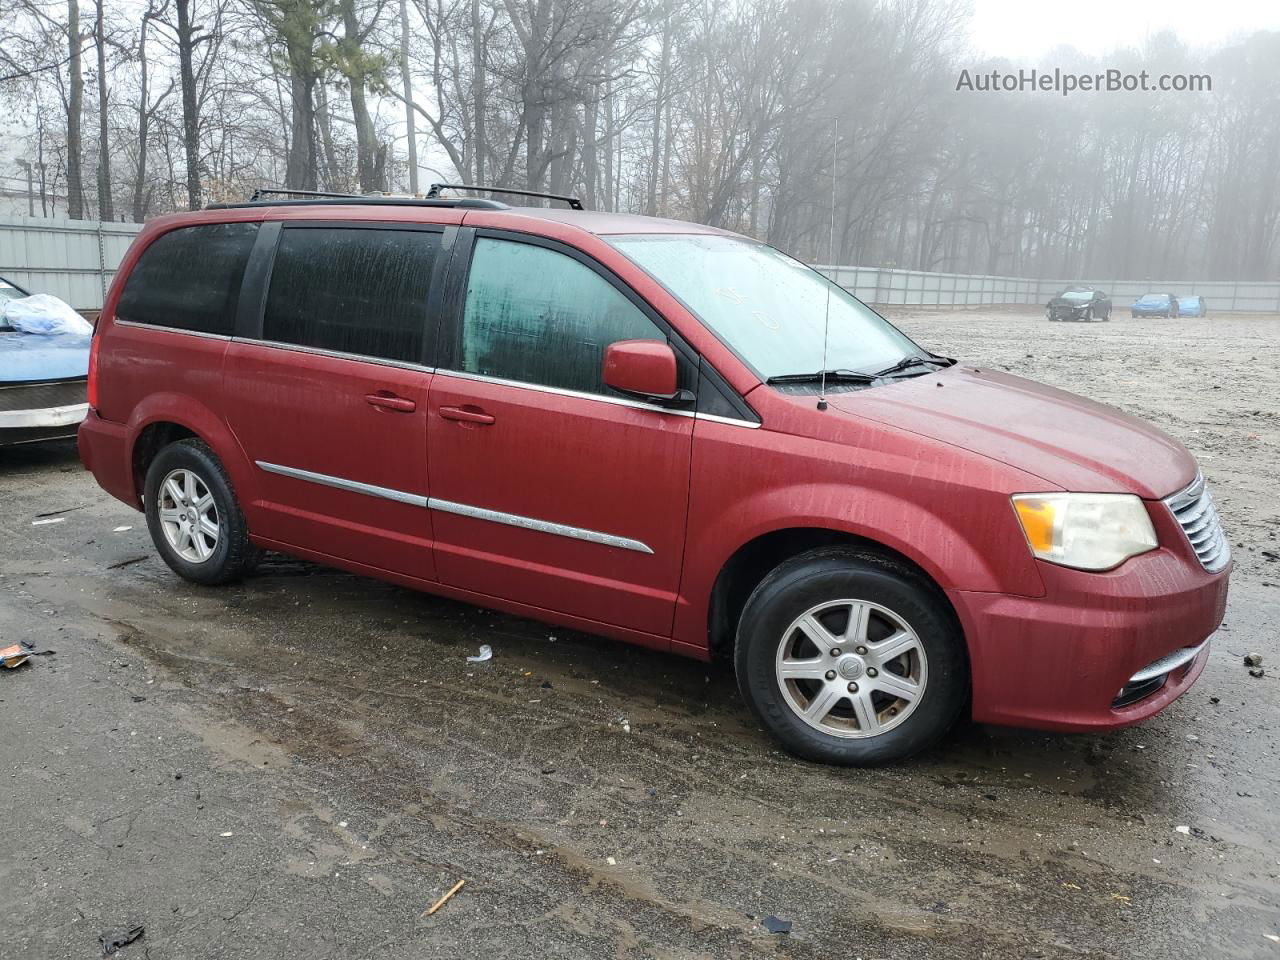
x,y
194,518
849,657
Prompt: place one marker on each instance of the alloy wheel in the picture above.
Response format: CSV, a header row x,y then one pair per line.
x,y
188,515
851,668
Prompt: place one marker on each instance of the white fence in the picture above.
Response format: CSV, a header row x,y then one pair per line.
x,y
72,259
75,260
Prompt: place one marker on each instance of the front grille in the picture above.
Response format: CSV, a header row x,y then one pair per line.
x,y
1194,510
38,396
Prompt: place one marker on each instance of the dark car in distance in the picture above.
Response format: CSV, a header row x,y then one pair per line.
x,y
1079,303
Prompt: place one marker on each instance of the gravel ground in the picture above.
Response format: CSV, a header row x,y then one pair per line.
x,y
299,765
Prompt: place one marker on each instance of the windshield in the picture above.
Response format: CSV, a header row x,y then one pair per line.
x,y
766,307
1076,295
1154,298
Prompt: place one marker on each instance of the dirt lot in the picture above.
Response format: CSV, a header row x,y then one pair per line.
x,y
297,766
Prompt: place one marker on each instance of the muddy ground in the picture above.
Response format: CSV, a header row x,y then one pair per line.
x,y
297,766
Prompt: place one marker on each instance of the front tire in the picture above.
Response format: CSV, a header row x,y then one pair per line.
x,y
194,518
849,657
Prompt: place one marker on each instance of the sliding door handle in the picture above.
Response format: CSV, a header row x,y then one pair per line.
x,y
467,414
389,401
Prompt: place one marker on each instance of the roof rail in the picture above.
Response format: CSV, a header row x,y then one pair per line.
x,y
434,192
308,198
261,192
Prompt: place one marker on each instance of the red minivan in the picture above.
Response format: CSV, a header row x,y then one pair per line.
x,y
622,425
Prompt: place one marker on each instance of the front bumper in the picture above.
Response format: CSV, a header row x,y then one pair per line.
x,y
1086,656
1066,313
24,426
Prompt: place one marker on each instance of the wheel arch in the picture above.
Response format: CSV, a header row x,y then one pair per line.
x,y
163,419
751,562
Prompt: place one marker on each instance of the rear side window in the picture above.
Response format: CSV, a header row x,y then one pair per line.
x,y
190,278
539,316
361,291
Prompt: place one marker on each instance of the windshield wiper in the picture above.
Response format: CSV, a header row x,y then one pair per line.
x,y
915,360
836,376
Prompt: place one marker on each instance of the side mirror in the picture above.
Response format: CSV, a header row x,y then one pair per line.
x,y
643,368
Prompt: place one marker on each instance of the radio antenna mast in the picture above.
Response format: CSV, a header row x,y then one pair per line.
x,y
831,259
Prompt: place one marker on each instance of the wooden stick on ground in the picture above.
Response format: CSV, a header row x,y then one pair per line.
x,y
445,899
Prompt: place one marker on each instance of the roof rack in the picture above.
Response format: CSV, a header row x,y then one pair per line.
x,y
434,192
301,198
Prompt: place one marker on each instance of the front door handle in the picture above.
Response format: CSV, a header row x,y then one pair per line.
x,y
467,414
389,401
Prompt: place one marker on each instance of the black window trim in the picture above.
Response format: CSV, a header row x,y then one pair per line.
x,y
449,336
257,285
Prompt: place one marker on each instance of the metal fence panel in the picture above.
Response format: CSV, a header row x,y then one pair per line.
x,y
76,259
919,288
71,259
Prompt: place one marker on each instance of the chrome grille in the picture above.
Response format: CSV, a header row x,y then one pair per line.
x,y
38,396
1194,510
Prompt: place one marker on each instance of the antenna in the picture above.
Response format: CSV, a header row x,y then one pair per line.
x,y
831,259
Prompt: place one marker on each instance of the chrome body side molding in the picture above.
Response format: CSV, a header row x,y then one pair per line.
x,y
460,509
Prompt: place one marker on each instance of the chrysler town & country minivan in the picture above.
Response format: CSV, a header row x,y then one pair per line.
x,y
662,433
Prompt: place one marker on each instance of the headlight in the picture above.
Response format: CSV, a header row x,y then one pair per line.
x,y
1088,531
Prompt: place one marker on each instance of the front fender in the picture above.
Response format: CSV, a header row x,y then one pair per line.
x,y
964,539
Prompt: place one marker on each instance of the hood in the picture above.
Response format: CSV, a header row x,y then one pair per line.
x,y
27,356
1069,441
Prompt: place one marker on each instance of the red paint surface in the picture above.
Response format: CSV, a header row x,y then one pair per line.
x,y
926,471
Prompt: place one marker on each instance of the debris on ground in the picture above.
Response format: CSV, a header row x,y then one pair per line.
x,y
774,925
126,563
443,900
486,653
1257,672
1184,830
113,940
39,523
14,656
1253,659
122,529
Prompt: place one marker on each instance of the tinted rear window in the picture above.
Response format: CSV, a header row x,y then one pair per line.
x,y
190,278
361,291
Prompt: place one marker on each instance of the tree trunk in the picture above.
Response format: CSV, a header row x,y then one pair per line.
x,y
408,97
366,137
659,98
144,122
75,108
332,174
106,208
479,88
190,115
300,164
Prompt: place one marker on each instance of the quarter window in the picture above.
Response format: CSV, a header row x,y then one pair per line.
x,y
361,291
190,278
539,316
